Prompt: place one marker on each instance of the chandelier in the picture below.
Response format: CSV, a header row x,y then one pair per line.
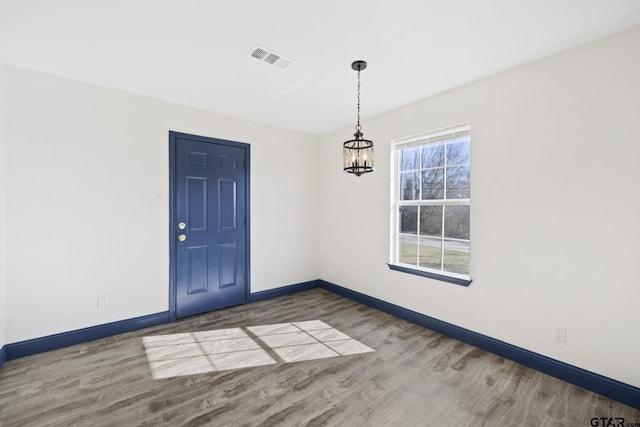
x,y
358,152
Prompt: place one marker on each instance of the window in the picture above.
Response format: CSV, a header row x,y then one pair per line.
x,y
432,204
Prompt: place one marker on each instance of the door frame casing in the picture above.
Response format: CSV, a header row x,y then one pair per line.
x,y
173,229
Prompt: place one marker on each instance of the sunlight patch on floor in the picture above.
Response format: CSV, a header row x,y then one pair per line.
x,y
200,352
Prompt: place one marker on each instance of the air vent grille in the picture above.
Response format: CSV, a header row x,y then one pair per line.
x,y
259,53
270,57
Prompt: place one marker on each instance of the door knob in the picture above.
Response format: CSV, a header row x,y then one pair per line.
x,y
182,237
182,225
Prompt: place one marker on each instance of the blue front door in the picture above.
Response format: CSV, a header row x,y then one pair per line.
x,y
209,217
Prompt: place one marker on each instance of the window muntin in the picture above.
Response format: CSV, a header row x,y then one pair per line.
x,y
431,202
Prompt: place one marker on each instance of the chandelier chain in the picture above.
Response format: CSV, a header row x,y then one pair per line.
x,y
358,127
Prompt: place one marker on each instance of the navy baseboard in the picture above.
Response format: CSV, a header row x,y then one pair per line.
x,y
282,291
608,387
64,339
616,390
3,355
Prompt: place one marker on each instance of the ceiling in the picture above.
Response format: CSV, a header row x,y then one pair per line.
x,y
195,52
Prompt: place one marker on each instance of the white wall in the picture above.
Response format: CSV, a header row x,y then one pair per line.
x,y
83,167
555,207
3,269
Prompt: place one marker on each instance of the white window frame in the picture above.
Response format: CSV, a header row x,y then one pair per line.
x,y
396,146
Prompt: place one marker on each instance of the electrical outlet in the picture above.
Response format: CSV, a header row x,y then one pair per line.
x,y
103,302
160,199
560,333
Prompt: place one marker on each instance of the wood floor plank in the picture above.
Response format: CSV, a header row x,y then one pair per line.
x,y
415,377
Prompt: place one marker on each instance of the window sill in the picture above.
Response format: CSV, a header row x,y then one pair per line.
x,y
436,276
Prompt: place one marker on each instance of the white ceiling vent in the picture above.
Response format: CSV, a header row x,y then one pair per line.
x,y
265,55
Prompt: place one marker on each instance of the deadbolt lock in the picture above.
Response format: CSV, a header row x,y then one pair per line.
x,y
182,225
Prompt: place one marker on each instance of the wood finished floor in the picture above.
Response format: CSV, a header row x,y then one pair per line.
x,y
415,377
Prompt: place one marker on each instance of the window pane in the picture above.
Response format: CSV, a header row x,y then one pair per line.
x,y
458,151
409,185
430,252
431,221
458,182
409,219
456,222
432,201
432,155
408,250
409,158
456,257
433,184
